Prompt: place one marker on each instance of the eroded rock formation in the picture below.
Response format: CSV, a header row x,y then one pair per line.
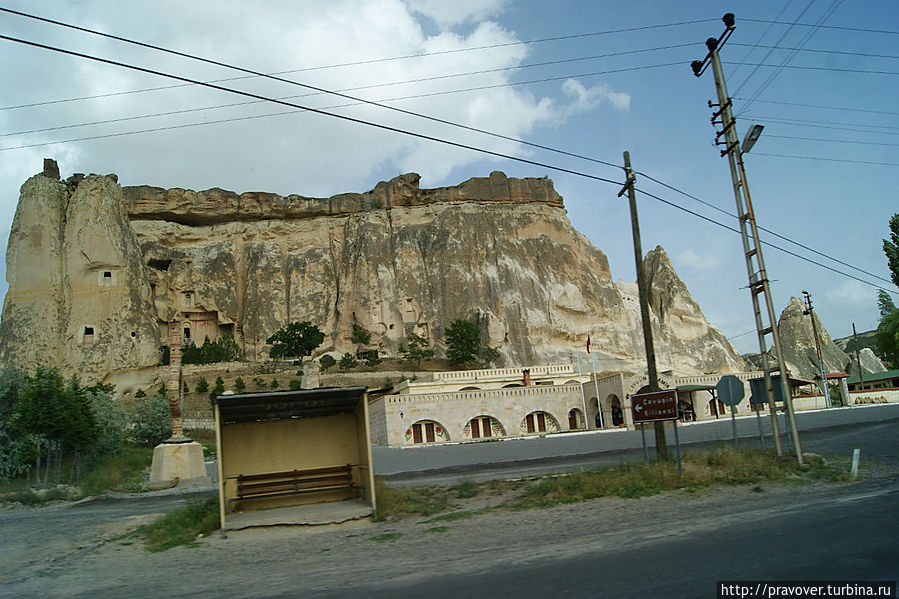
x,y
88,256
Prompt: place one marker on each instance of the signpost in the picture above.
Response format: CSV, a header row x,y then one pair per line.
x,y
656,406
730,392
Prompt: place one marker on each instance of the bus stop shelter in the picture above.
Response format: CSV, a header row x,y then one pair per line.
x,y
294,457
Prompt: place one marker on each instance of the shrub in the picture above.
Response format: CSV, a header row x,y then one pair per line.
x,y
259,382
274,384
347,362
151,421
239,385
202,385
327,361
295,384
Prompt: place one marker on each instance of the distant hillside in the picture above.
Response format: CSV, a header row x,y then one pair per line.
x,y
866,339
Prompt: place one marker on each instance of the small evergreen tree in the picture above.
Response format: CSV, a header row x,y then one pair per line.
x,y
259,382
417,349
219,387
463,340
239,385
274,384
327,361
202,385
347,362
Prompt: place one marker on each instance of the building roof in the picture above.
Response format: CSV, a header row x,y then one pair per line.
x,y
695,387
287,405
877,376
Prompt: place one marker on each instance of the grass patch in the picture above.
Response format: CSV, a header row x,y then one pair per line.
x,y
182,526
462,515
387,537
34,497
123,472
394,503
724,466
438,529
206,438
466,489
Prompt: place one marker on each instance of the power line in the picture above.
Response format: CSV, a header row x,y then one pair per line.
x,y
409,97
393,129
833,27
821,158
816,51
835,125
823,106
780,39
307,108
784,250
254,74
840,141
769,231
787,59
830,69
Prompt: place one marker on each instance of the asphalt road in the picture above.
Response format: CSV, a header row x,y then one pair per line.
x,y
826,432
844,539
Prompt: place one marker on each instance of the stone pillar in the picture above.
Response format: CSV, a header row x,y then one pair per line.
x,y
310,374
173,386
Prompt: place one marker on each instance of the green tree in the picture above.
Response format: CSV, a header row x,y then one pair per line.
x,y
360,336
296,340
347,362
239,385
891,249
488,355
150,421
294,384
202,385
219,387
327,361
416,349
463,340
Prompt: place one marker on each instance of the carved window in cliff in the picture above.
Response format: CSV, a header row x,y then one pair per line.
x,y
187,299
87,337
106,278
158,264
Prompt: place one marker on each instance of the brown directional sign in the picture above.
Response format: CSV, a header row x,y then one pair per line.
x,y
658,405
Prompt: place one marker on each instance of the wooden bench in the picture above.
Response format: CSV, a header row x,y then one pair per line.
x,y
294,482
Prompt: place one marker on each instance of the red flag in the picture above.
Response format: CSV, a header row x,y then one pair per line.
x,y
588,344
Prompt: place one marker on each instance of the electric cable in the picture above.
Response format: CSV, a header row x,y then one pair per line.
x,y
306,108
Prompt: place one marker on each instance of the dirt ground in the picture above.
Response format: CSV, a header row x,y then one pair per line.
x,y
299,561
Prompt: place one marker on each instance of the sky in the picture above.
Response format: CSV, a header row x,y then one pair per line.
x,y
590,79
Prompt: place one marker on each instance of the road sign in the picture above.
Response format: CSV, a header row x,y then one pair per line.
x,y
730,390
760,395
651,407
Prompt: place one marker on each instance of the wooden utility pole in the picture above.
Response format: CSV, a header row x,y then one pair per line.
x,y
661,445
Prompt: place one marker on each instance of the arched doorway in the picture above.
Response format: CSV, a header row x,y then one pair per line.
x,y
594,409
575,419
614,412
427,431
539,422
483,427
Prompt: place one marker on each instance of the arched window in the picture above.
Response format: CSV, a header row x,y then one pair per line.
x,y
427,431
483,427
539,422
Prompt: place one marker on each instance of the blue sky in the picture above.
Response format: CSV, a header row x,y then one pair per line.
x,y
601,94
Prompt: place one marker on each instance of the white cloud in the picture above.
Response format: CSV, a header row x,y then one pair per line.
x,y
697,261
853,294
453,12
589,98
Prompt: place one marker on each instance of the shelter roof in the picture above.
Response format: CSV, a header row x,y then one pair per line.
x,y
695,387
879,376
288,405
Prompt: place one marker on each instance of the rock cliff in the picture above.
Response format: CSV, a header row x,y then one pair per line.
x,y
797,335
96,270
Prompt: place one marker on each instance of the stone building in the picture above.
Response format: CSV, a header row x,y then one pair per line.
x,y
472,405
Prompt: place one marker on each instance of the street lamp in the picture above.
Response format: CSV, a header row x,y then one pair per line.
x,y
752,136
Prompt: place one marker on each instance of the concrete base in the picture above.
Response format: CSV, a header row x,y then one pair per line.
x,y
178,463
309,514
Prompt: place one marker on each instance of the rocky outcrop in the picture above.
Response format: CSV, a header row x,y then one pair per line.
x,y
393,261
797,336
